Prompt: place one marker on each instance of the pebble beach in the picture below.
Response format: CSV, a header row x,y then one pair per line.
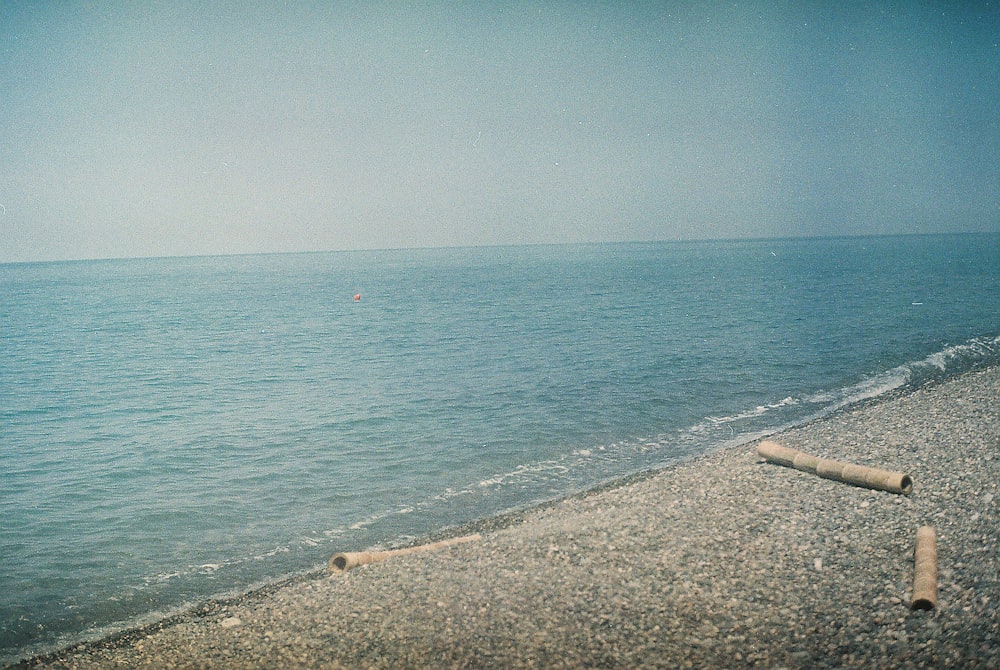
x,y
724,561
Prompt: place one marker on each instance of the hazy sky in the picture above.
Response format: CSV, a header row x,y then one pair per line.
x,y
164,128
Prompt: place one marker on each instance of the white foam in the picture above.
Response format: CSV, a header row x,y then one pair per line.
x,y
758,411
166,576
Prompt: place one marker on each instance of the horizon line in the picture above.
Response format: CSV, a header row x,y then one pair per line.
x,y
510,245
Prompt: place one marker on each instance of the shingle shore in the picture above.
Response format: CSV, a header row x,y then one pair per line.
x,y
721,562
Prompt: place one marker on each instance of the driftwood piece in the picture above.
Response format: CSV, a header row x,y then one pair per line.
x,y
345,561
925,570
859,475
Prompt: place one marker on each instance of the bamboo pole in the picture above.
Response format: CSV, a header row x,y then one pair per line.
x,y
925,570
345,561
859,475
776,453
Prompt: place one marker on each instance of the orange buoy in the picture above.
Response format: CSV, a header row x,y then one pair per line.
x,y
357,297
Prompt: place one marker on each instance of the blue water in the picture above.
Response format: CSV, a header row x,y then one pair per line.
x,y
175,429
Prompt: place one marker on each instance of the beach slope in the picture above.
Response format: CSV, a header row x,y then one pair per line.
x,y
723,561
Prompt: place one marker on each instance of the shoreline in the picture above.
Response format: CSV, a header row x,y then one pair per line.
x,y
717,561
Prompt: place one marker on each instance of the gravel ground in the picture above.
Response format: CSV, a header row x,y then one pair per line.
x,y
721,562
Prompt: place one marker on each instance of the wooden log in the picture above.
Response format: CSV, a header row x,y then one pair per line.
x,y
849,473
925,570
344,561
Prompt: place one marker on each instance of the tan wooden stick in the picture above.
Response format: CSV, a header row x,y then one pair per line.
x,y
345,561
859,475
925,570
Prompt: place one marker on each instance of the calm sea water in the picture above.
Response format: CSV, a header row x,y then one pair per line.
x,y
174,429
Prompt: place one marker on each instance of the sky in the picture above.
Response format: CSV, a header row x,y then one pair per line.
x,y
145,128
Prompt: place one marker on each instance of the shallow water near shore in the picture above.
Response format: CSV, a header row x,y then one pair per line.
x,y
175,429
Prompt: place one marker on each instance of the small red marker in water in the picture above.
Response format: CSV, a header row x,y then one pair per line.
x,y
357,297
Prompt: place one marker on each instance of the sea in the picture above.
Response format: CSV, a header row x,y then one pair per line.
x,y
174,430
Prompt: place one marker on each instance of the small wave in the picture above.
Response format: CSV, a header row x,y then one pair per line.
x,y
268,554
758,411
868,388
964,355
208,569
450,493
953,359
166,576
532,470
